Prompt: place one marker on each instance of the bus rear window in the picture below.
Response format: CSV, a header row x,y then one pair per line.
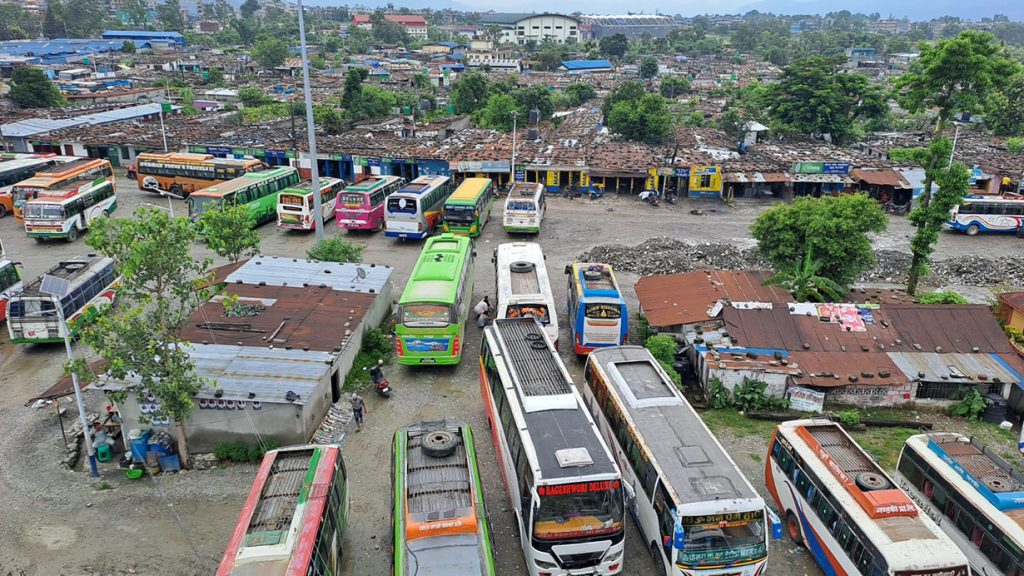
x,y
426,315
604,311
406,205
44,211
521,205
292,199
352,199
579,510
538,311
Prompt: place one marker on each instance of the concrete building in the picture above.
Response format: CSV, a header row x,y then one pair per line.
x,y
277,364
631,25
522,28
414,24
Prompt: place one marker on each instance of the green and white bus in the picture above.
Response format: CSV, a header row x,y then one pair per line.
x,y
467,209
257,189
432,314
439,523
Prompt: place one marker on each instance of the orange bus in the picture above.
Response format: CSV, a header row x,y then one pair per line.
x,y
68,179
182,174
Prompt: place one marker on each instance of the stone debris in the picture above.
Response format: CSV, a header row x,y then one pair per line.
x,y
202,461
663,255
332,429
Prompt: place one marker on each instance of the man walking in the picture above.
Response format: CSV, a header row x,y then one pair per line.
x,y
358,409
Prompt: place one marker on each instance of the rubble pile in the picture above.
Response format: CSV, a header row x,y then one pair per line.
x,y
664,255
332,429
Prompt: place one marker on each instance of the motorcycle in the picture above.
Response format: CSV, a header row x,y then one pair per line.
x,y
380,383
596,192
650,198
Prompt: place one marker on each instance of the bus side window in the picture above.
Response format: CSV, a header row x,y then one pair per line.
x,y
663,506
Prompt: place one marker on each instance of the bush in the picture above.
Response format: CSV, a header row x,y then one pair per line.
x,y
850,417
336,249
940,297
663,348
643,328
971,406
376,346
240,453
746,397
718,395
1015,145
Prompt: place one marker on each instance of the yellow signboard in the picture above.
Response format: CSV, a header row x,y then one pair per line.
x,y
552,178
584,180
706,179
652,179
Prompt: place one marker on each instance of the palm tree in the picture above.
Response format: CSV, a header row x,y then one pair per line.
x,y
803,282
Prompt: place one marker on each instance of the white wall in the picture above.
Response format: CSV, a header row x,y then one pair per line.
x,y
537,28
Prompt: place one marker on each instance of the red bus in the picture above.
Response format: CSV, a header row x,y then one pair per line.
x,y
294,517
360,206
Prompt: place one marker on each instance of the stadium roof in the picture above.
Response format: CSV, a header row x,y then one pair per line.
x,y
154,34
628,20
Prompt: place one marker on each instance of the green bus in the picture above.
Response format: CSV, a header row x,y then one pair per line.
x,y
438,517
467,209
435,306
257,189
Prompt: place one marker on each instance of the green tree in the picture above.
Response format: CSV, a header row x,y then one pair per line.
x,y
15,22
1006,112
230,231
814,97
249,8
128,47
672,86
75,18
252,97
335,249
170,16
645,119
359,40
245,29
803,282
628,91
215,77
648,67
331,121
470,93
835,227
615,45
551,57
497,114
136,11
535,97
139,336
32,89
959,74
386,31
579,93
270,52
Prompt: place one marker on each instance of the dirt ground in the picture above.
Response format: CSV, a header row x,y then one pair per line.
x,y
60,522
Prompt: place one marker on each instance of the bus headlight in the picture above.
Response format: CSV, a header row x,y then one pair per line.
x,y
613,556
545,565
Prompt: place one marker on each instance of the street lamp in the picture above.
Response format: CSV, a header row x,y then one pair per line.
x,y
318,213
59,287
512,172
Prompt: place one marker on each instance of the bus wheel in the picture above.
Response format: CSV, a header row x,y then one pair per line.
x,y
656,555
3,210
72,234
972,230
793,527
177,190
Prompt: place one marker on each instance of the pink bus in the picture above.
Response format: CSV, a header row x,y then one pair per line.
x,y
360,206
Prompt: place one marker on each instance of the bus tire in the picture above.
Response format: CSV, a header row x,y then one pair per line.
x,y
656,555
177,190
439,443
793,529
72,234
3,210
868,481
972,230
521,267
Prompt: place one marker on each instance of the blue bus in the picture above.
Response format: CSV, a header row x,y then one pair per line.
x,y
414,211
597,310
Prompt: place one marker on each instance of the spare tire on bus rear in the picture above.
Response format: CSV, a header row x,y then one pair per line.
x,y
868,481
521,267
439,443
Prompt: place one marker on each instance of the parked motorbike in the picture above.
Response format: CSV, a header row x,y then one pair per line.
x,y
380,383
596,192
650,198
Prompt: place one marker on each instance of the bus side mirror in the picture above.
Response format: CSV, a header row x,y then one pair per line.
x,y
568,269
773,518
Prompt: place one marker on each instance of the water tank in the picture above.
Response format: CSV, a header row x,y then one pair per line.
x,y
534,116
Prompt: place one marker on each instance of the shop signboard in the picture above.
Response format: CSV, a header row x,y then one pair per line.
x,y
806,400
820,168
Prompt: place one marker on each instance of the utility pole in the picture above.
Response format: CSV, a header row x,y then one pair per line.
x,y
318,213
512,172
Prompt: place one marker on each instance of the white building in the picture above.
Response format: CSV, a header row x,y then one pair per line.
x,y
522,28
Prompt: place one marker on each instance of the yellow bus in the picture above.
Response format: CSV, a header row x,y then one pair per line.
x,y
63,180
182,174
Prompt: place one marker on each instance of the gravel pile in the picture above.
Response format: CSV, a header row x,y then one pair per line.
x,y
671,256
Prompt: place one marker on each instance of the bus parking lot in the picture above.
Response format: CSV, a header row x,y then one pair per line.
x,y
72,525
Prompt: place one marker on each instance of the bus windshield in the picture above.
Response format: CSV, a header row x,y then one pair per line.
x,y
44,211
460,213
538,311
578,510
407,205
426,315
718,538
23,193
604,311
200,204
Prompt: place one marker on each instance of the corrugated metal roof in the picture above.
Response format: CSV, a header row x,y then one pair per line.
x,y
880,177
281,271
586,64
143,34
238,371
317,318
954,327
1014,300
686,298
833,369
35,126
963,368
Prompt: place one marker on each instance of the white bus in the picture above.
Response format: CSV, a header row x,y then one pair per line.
x,y
974,496
523,287
56,217
696,511
92,285
988,214
847,511
524,208
562,482
415,210
295,203
10,284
